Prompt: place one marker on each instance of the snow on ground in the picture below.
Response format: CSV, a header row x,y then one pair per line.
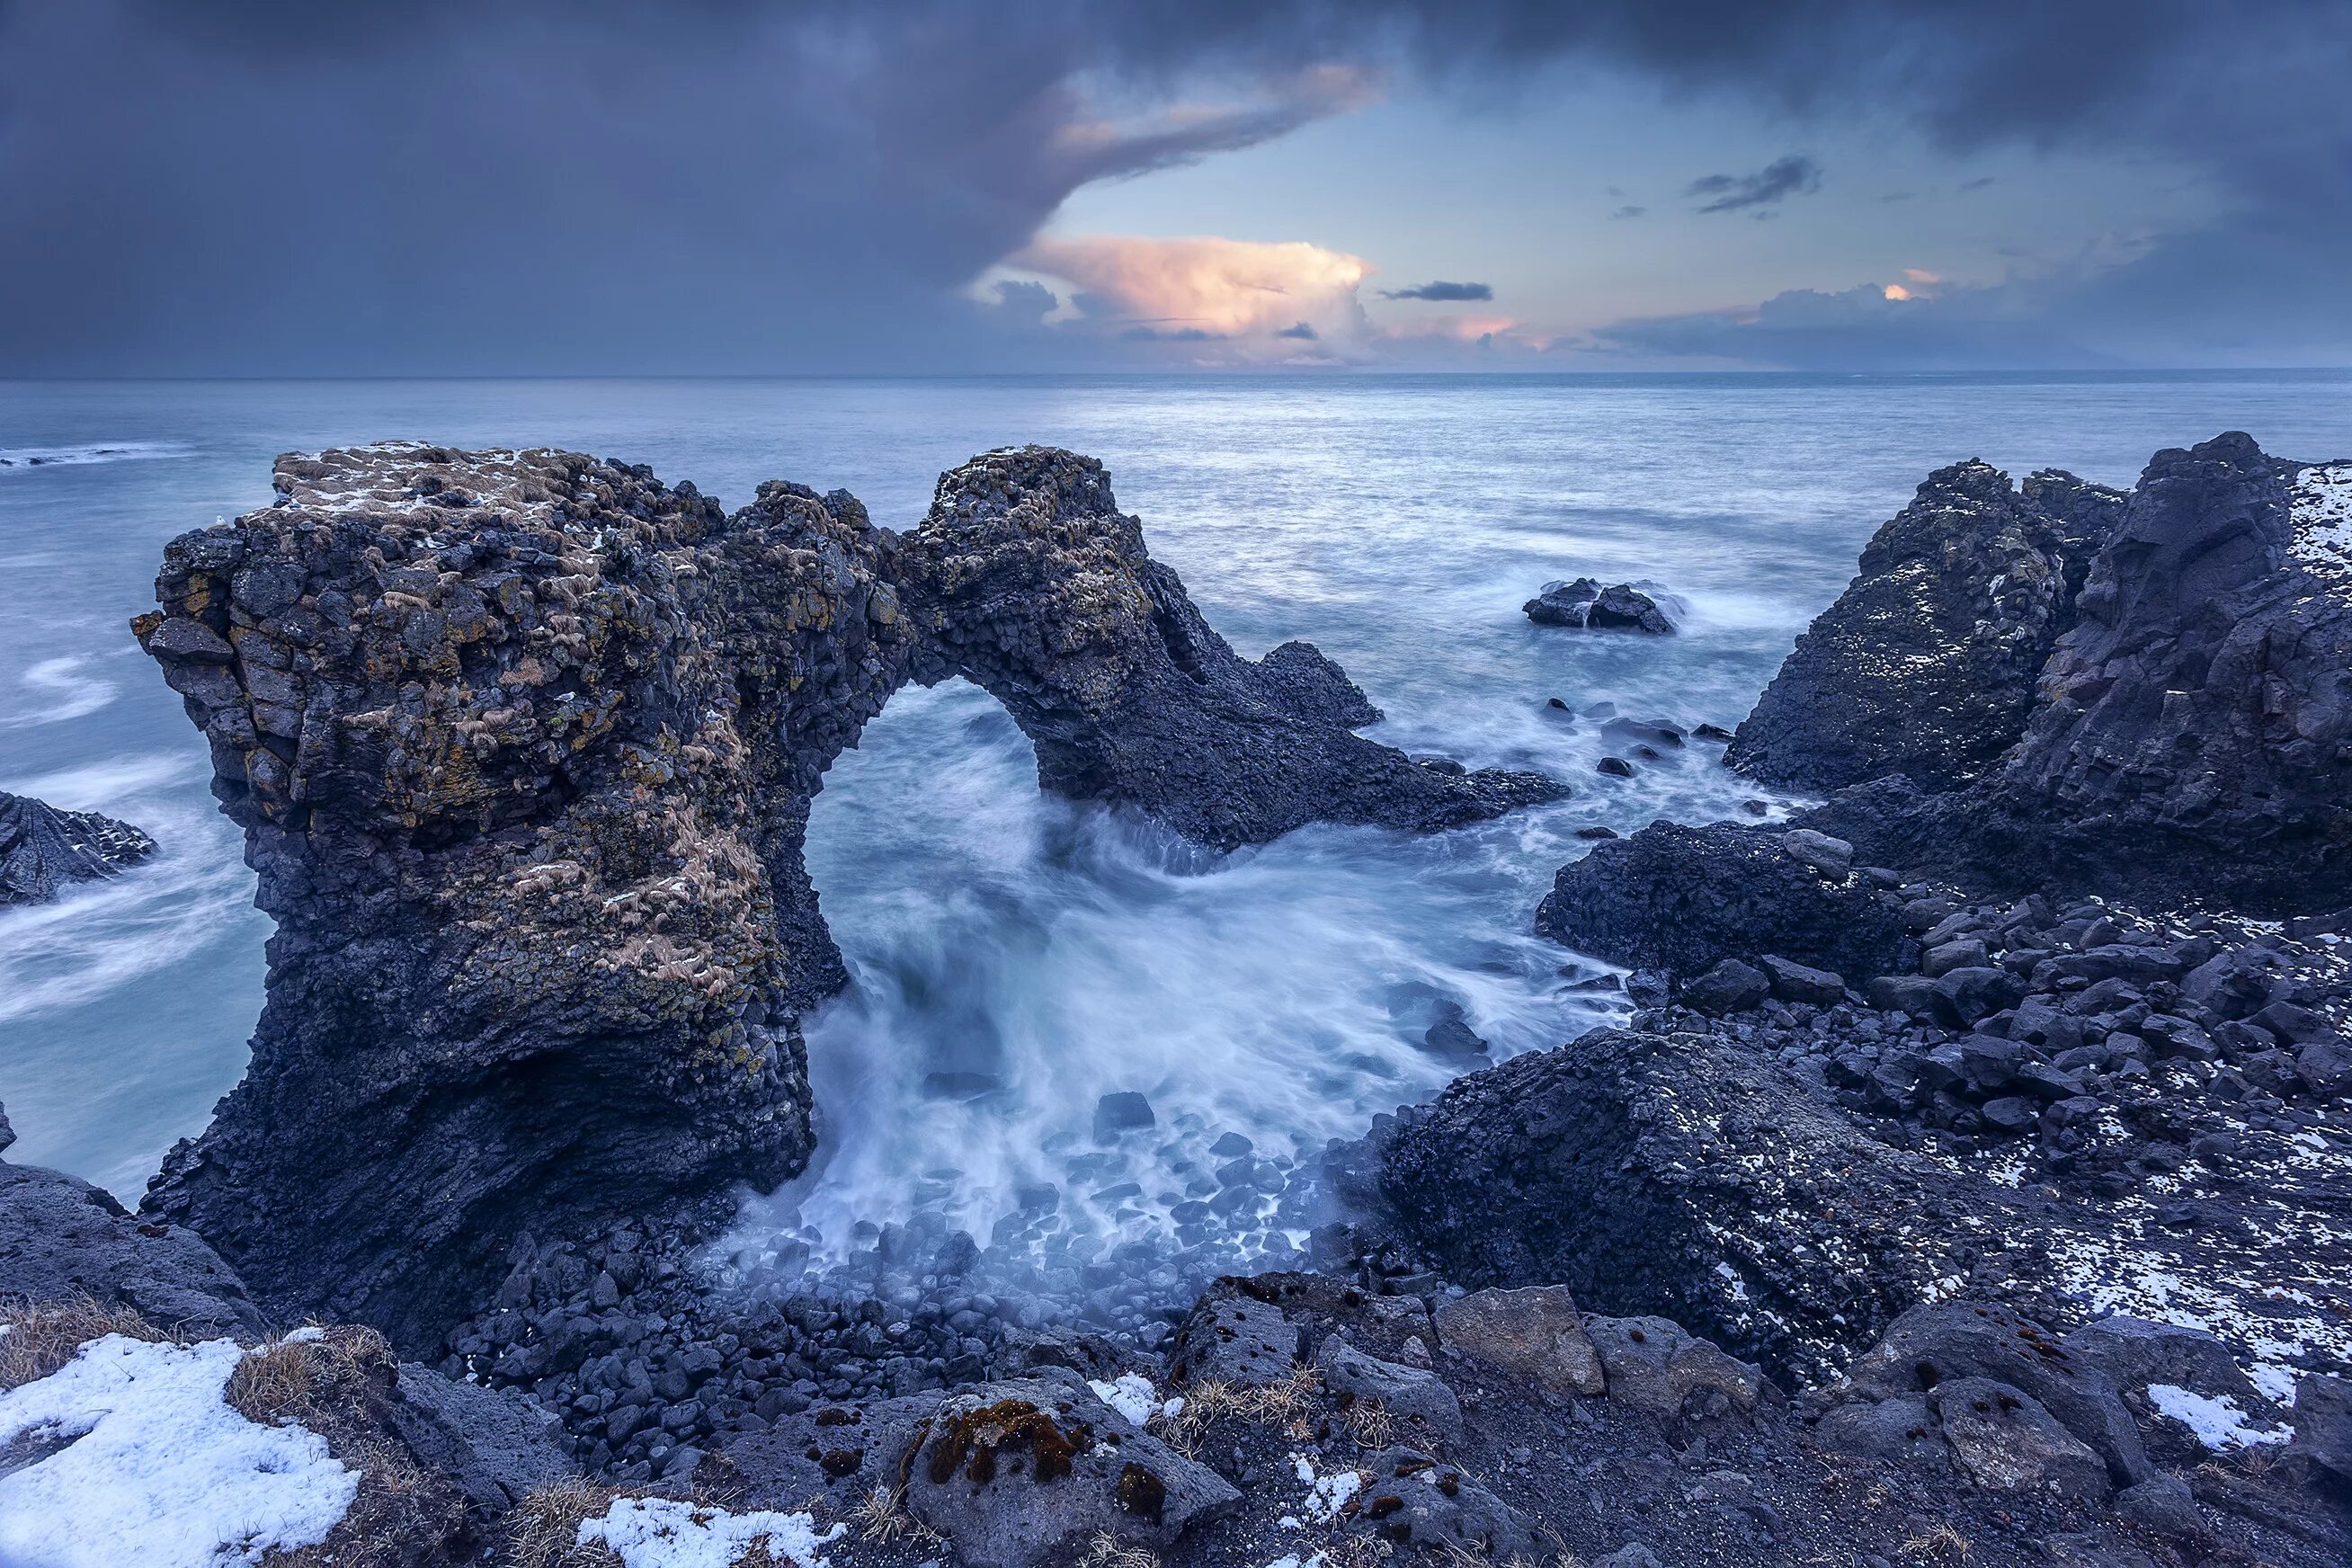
x,y
1132,1396
158,1471
2217,1421
1330,1492
664,1532
2321,507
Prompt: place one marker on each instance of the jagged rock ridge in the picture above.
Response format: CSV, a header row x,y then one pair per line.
x,y
523,744
43,849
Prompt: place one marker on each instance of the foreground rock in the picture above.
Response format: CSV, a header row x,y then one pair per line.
x,y
43,849
1621,606
62,1240
523,745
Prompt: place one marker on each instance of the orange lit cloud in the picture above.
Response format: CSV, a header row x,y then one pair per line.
x,y
1251,296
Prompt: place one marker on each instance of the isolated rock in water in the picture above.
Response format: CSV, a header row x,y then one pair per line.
x,y
43,849
1925,665
62,1239
1685,899
1621,606
524,745
1681,1176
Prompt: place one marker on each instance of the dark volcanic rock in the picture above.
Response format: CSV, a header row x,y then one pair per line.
x,y
1925,665
2192,740
1629,1166
61,1238
1685,899
1621,606
523,745
2197,739
42,848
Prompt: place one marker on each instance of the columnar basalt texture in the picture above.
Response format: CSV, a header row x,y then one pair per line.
x,y
524,744
1925,665
2200,710
2189,735
42,848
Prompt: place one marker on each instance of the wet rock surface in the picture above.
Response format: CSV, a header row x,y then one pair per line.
x,y
523,744
1621,606
43,849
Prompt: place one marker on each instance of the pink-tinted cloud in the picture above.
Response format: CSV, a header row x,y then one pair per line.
x,y
1247,297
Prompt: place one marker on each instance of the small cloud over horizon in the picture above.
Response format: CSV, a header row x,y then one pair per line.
x,y
1441,290
1794,175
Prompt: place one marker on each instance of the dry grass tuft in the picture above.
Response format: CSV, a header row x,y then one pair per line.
x,y
1288,1403
544,1529
881,1517
1373,1423
1106,1552
43,1337
1942,1547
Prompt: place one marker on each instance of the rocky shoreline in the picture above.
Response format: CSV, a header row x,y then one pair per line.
x,y
1968,1176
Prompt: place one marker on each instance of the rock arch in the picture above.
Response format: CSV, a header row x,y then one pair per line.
x,y
523,744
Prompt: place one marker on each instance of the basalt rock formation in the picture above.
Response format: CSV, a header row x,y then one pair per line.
x,y
2178,729
1685,899
523,744
1927,664
43,849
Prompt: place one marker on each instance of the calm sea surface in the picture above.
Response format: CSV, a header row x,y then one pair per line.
x,y
1056,951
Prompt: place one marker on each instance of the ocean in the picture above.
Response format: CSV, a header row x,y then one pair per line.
x,y
1017,957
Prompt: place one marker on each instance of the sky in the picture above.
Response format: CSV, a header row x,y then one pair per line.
x,y
267,187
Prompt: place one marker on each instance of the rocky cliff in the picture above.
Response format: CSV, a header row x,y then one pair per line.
x,y
2172,722
523,744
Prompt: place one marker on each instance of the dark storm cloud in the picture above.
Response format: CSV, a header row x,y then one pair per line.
x,y
1299,329
1794,175
421,186
1629,211
1441,290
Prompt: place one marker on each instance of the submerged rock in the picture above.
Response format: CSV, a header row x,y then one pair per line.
x,y
1621,606
523,744
42,848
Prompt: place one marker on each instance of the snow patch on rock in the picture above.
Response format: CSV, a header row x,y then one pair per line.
x,y
2216,1419
665,1533
157,1468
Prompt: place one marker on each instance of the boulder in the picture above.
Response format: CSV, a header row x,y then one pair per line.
x,y
1683,1176
2134,1354
1621,606
1685,899
2004,1441
2322,1424
1411,1499
1236,1340
1794,982
1425,1407
43,849
498,1445
61,1238
1730,986
1954,1341
1651,1364
1899,1430
1535,1333
523,745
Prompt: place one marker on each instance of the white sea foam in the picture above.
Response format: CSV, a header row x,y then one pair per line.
x,y
56,691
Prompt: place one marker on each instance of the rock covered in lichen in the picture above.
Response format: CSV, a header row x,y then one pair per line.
x,y
524,744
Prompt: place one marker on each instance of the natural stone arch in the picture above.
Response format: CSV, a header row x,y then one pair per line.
x,y
524,744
